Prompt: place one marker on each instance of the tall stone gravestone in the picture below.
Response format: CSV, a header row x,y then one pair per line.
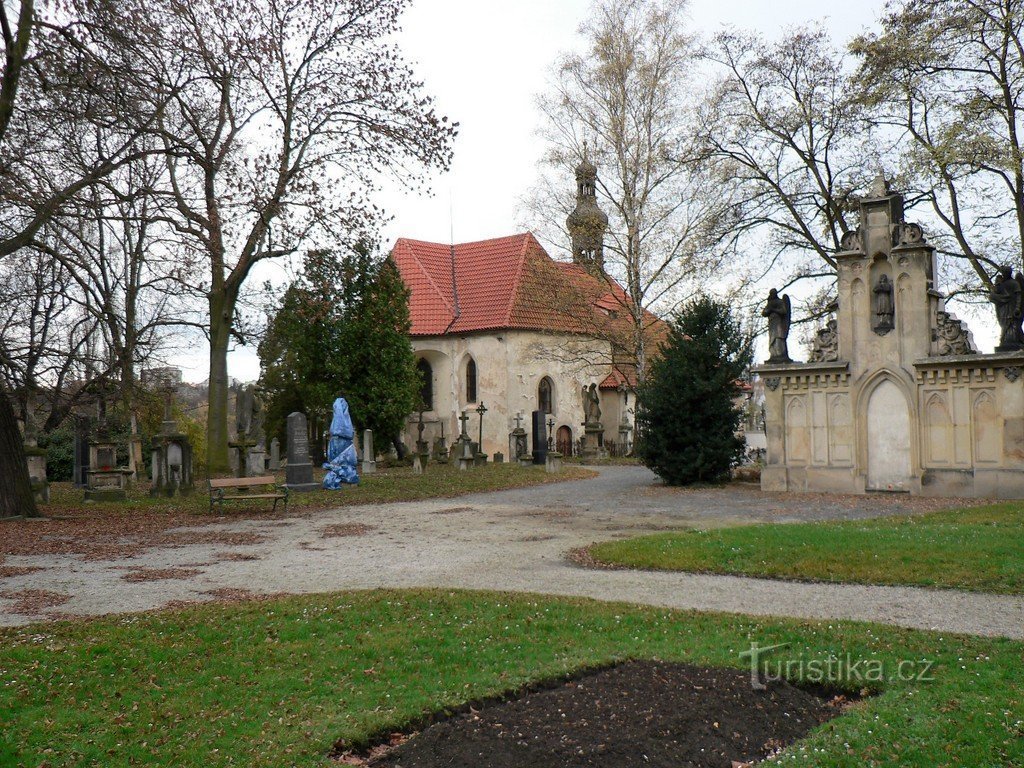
x,y
299,472
81,465
275,455
369,455
540,439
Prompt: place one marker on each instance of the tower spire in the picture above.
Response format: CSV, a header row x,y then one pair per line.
x,y
587,223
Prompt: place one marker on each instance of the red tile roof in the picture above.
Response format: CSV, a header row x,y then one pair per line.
x,y
504,283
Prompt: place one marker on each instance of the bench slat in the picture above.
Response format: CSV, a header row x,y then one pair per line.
x,y
256,496
242,482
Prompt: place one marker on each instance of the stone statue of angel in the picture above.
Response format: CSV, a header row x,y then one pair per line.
x,y
778,310
1008,296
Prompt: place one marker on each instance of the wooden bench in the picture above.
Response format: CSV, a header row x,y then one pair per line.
x,y
241,484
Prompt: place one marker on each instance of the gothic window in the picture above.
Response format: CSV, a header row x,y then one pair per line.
x,y
426,384
544,395
471,381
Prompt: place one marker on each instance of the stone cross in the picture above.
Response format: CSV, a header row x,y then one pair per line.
x,y
464,418
481,409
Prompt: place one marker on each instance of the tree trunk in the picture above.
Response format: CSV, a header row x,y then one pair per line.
x,y
15,487
217,416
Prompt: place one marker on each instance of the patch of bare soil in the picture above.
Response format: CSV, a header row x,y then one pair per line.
x,y
582,557
30,602
136,575
345,529
9,571
451,510
537,537
235,556
639,713
226,538
113,536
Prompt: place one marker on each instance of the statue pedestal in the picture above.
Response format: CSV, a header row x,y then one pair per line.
x,y
553,462
241,457
467,457
593,442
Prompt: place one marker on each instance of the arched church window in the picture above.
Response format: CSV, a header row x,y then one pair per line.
x,y
471,381
426,384
544,395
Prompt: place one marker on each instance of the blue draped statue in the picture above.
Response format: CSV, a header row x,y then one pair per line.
x,y
341,454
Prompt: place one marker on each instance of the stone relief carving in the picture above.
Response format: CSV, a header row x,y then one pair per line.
x,y
907,234
1013,372
952,335
826,344
773,382
852,240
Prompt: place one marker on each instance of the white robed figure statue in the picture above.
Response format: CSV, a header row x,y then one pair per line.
x,y
341,454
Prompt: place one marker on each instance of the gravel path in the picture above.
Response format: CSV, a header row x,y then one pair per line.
x,y
510,540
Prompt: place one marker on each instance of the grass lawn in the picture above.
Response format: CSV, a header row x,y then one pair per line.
x,y
980,549
384,486
278,682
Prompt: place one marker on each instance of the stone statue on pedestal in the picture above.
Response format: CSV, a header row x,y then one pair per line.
x,y
778,310
885,308
1008,295
591,405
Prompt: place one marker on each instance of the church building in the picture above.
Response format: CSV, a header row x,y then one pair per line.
x,y
500,325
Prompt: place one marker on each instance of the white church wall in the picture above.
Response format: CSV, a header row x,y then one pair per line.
x,y
510,366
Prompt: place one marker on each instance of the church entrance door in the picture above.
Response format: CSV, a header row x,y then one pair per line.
x,y
563,441
888,439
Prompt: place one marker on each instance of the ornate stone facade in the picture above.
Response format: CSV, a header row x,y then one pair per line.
x,y
895,397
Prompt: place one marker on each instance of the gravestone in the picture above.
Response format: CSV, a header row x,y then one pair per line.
x,y
81,466
417,464
540,440
35,460
369,463
170,456
275,455
499,458
299,472
466,454
517,441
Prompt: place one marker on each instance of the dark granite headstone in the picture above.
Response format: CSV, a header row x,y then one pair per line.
x,y
81,466
299,472
540,439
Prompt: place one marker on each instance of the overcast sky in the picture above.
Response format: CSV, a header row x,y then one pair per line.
x,y
485,61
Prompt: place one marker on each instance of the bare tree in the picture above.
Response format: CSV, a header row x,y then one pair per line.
x,y
125,274
281,115
784,120
58,73
948,77
625,105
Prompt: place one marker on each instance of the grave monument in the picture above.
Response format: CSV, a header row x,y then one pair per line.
x,y
298,473
171,456
895,396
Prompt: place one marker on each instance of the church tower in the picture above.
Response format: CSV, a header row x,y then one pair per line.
x,y
587,223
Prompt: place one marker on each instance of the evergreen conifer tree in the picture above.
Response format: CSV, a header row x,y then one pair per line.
x,y
342,329
688,411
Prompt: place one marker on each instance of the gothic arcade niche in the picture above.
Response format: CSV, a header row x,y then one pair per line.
x,y
895,396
